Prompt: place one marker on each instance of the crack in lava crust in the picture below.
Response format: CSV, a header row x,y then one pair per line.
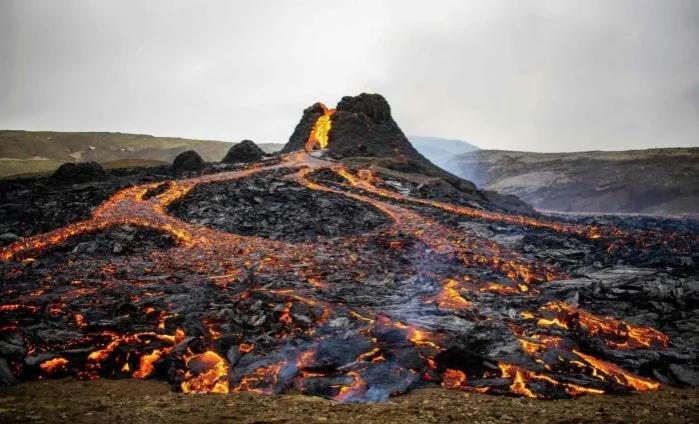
x,y
323,341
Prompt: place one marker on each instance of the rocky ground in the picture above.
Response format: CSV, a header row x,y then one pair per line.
x,y
355,282
129,401
34,152
268,206
35,205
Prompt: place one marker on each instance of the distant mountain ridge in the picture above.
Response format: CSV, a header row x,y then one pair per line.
x,y
26,152
440,150
652,181
43,151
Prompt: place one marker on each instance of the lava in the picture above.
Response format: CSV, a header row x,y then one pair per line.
x,y
449,297
206,373
54,365
320,134
620,375
453,379
307,315
619,334
262,380
145,368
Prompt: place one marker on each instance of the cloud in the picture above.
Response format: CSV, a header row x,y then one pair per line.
x,y
543,75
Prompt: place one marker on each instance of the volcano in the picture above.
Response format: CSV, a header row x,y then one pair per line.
x,y
347,267
364,132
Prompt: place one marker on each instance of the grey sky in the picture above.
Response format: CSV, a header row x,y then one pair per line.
x,y
524,75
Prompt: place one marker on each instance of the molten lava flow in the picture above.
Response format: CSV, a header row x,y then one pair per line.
x,y
246,348
620,375
453,379
318,308
518,375
422,338
262,380
357,388
590,232
537,343
618,334
320,134
449,297
285,315
79,320
145,367
305,359
206,373
54,365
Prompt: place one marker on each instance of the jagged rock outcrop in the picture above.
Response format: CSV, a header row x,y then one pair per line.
x,y
245,151
72,173
188,161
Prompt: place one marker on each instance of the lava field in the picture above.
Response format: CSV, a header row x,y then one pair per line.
x,y
303,272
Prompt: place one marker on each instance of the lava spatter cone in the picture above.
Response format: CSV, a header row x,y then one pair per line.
x,y
244,152
361,128
73,173
187,161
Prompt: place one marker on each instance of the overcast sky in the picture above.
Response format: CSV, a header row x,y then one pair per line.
x,y
523,75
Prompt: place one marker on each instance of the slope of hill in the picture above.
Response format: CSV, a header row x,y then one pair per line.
x,y
440,151
43,151
653,181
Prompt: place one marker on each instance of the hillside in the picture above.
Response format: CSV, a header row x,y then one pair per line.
x,y
43,151
440,150
653,181
31,152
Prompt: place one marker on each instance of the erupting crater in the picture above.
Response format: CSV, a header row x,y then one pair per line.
x,y
414,292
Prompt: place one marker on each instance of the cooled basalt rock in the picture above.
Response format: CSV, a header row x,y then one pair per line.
x,y
245,151
34,205
72,173
277,209
188,161
117,241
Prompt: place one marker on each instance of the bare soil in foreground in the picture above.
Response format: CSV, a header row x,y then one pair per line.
x,y
133,401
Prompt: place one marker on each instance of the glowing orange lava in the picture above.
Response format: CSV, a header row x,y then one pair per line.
x,y
220,258
211,375
319,137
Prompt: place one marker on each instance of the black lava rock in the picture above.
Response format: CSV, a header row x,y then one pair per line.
x,y
72,173
273,208
40,204
188,161
245,151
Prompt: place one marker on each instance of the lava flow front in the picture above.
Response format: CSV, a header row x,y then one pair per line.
x,y
435,294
